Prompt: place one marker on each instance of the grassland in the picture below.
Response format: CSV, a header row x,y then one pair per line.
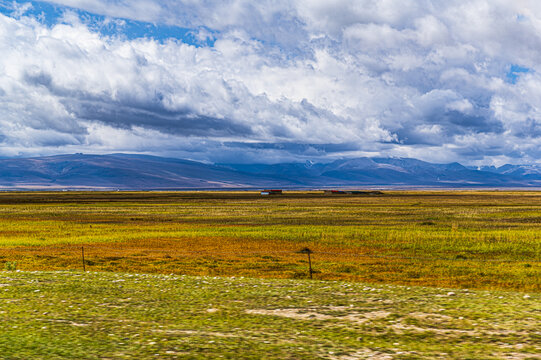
x,y
101,315
469,239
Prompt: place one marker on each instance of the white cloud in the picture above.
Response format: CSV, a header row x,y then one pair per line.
x,y
419,78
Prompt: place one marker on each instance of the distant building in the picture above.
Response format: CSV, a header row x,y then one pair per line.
x,y
271,192
334,192
353,192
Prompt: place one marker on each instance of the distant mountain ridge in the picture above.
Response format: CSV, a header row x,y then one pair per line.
x,y
397,172
145,172
531,171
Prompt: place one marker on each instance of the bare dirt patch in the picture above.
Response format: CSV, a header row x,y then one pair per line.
x,y
312,314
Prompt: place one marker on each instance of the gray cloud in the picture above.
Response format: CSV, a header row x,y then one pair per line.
x,y
184,122
129,112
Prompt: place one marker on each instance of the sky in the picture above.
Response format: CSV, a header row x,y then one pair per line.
x,y
238,81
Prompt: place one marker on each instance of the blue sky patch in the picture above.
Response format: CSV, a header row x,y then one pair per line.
x,y
521,18
45,13
514,73
51,14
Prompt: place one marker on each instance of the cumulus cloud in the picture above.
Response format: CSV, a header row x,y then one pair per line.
x,y
279,81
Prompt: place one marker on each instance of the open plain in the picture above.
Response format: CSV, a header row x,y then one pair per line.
x,y
462,239
398,275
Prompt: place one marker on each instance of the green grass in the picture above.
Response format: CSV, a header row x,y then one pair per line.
x,y
95,315
487,223
470,239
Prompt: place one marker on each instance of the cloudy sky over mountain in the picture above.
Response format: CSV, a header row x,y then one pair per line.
x,y
272,80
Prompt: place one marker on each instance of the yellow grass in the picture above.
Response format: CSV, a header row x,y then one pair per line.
x,y
460,239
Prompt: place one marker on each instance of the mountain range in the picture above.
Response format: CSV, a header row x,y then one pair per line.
x,y
144,172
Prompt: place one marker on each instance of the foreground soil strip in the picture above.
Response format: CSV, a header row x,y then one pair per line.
x,y
71,315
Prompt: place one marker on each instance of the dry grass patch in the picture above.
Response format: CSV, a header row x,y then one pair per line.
x,y
463,239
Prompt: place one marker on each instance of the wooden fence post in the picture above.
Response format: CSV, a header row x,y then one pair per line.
x,y
308,252
83,253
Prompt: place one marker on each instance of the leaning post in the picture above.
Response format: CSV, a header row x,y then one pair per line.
x,y
83,253
308,252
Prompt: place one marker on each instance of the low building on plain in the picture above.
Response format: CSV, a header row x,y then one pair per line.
x,y
271,192
353,192
334,192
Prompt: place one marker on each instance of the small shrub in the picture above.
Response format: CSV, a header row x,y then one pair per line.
x,y
347,269
299,275
10,266
413,275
